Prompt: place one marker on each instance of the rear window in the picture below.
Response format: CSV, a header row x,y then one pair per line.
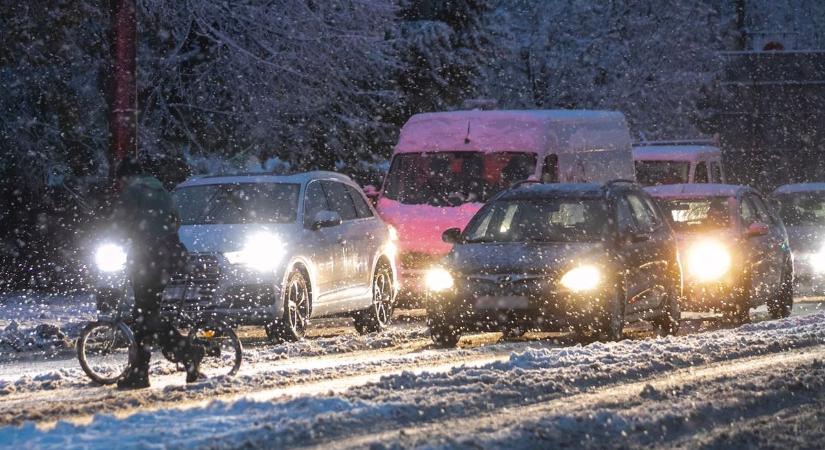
x,y
697,214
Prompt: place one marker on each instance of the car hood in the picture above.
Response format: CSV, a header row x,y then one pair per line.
x,y
806,238
522,258
227,237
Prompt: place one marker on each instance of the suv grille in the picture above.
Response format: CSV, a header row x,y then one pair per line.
x,y
203,273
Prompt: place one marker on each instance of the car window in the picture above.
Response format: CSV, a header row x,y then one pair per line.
x,y
700,175
658,220
716,172
747,212
761,209
550,171
340,200
361,208
641,213
314,201
624,216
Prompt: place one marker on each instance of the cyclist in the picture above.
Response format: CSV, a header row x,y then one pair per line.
x,y
146,215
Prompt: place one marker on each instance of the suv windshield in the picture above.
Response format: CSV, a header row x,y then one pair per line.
x,y
652,173
546,220
454,178
238,203
697,214
803,208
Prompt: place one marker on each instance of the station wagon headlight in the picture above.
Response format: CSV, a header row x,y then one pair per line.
x,y
438,279
708,260
582,279
110,258
817,260
261,252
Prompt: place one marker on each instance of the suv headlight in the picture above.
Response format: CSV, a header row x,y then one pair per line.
x,y
708,260
582,279
110,258
261,252
817,260
438,279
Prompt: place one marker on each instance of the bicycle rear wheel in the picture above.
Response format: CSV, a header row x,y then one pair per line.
x,y
223,351
106,351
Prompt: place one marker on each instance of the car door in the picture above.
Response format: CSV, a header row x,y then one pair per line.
x,y
370,232
322,244
646,255
757,252
775,241
348,238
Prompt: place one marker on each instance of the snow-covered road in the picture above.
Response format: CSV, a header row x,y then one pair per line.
x,y
708,387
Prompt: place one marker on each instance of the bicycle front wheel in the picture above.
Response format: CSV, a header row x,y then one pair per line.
x,y
106,350
223,351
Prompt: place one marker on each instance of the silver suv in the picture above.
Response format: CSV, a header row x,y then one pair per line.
x,y
278,250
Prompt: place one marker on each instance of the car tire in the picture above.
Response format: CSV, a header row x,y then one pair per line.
x,y
611,324
781,306
442,333
291,325
668,323
377,317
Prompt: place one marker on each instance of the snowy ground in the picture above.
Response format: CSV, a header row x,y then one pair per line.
x,y
758,385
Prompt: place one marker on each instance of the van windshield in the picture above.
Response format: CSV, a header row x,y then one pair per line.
x,y
546,220
238,203
455,178
652,173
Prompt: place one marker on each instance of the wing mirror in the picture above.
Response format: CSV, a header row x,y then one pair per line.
x,y
372,193
451,236
757,229
326,219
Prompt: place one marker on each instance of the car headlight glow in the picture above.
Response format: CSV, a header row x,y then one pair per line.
x,y
708,260
582,278
817,260
261,252
110,258
438,279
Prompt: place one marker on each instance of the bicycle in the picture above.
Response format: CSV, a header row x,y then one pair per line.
x,y
107,348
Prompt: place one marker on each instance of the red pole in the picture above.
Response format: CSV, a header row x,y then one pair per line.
x,y
123,89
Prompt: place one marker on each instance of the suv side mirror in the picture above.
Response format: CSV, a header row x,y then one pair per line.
x,y
326,219
451,236
757,229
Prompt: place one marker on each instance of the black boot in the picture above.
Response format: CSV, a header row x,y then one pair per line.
x,y
193,364
137,378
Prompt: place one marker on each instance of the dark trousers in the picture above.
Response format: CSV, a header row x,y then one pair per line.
x,y
151,327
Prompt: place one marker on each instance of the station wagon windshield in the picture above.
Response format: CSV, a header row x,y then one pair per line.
x,y
652,173
803,208
238,203
546,220
697,214
454,178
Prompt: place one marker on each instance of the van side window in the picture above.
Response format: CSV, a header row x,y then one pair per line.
x,y
314,201
700,174
339,200
716,172
361,208
550,171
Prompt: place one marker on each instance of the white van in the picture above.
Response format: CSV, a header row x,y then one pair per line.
x,y
678,162
448,164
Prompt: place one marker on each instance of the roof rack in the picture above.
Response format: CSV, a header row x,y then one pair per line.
x,y
520,183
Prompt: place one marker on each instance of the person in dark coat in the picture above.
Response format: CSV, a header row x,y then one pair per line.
x,y
146,215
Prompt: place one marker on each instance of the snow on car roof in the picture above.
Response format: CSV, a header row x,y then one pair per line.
x,y
541,190
509,130
696,190
674,152
297,178
799,187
